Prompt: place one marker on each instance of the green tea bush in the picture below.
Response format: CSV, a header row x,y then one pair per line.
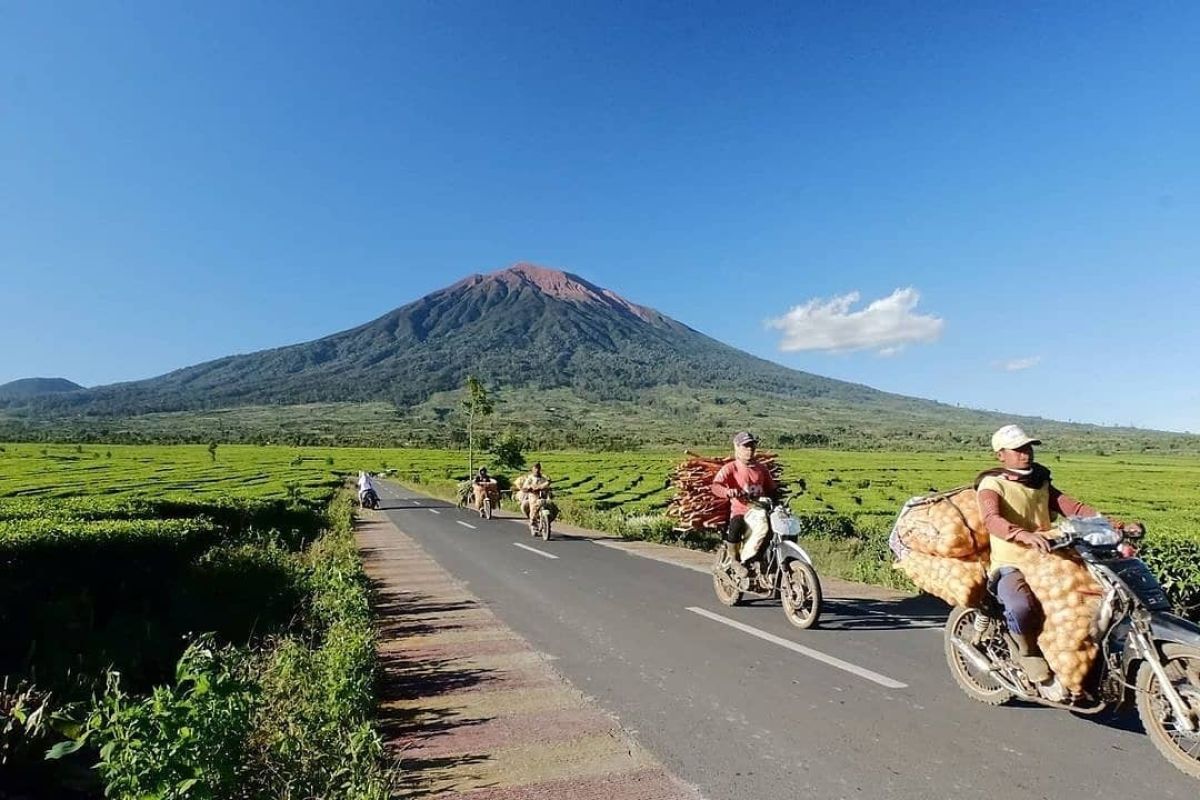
x,y
1176,562
313,734
289,715
186,740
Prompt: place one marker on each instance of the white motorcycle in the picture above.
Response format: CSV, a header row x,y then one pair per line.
x,y
782,569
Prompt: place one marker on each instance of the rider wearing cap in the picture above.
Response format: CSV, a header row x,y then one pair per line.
x,y
482,484
533,489
740,480
1018,503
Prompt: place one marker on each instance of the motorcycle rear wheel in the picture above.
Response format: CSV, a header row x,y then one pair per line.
x,y
982,688
801,594
723,585
1179,746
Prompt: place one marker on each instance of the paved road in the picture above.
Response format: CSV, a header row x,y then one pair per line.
x,y
742,705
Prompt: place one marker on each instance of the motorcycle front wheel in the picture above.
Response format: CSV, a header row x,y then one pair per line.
x,y
545,526
977,684
1177,744
487,508
723,585
800,592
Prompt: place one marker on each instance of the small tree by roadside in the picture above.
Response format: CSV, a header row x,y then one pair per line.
x,y
476,404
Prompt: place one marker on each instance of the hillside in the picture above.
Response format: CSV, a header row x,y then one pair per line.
x,y
26,388
576,365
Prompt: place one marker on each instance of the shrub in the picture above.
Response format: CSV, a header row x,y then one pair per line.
x,y
1176,563
186,740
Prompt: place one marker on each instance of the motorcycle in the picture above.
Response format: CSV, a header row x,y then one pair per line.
x,y
782,569
1145,651
491,499
368,499
542,519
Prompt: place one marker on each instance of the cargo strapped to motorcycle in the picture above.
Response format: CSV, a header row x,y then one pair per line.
x,y
898,548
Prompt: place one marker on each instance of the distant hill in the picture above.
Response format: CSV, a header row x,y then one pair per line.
x,y
26,388
575,363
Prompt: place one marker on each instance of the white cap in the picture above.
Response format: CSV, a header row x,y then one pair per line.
x,y
1011,437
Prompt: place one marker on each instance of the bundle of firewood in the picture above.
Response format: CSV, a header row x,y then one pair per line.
x,y
694,505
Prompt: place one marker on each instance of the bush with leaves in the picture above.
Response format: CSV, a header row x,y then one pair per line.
x,y
1176,562
186,740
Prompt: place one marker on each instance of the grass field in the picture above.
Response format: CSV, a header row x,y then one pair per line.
x,y
1164,491
854,494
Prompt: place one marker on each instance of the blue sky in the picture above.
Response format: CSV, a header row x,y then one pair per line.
x,y
178,184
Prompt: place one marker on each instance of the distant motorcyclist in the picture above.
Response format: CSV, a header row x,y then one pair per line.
x,y
483,485
534,488
738,481
365,486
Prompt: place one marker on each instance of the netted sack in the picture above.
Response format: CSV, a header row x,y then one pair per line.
x,y
1070,599
947,525
958,581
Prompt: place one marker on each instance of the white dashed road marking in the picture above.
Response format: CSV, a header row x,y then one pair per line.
x,y
824,658
533,550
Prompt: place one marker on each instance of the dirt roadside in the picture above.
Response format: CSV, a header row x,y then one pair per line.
x,y
472,711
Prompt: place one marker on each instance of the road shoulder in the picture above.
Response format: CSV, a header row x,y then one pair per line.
x,y
471,711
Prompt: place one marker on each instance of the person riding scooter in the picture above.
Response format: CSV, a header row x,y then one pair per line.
x,y
738,481
366,490
534,488
484,485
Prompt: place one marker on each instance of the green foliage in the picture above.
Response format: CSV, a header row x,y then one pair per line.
x,y
478,403
314,736
507,452
1176,562
127,578
186,740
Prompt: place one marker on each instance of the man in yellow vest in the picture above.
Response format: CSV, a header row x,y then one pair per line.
x,y
1018,503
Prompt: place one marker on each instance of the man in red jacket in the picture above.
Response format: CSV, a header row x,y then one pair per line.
x,y
740,480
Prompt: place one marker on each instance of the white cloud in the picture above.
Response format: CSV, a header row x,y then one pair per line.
x,y
1018,364
886,325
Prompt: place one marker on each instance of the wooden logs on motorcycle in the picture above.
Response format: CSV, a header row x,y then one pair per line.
x,y
694,505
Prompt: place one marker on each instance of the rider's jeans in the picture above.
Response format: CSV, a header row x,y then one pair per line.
x,y
1022,610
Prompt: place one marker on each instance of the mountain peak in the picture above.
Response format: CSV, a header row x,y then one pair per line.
x,y
31,387
565,286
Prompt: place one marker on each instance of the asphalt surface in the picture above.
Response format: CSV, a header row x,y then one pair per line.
x,y
740,704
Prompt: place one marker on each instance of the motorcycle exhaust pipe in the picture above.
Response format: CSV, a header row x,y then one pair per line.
x,y
970,653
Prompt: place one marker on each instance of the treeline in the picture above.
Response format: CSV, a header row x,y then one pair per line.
x,y
573,434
